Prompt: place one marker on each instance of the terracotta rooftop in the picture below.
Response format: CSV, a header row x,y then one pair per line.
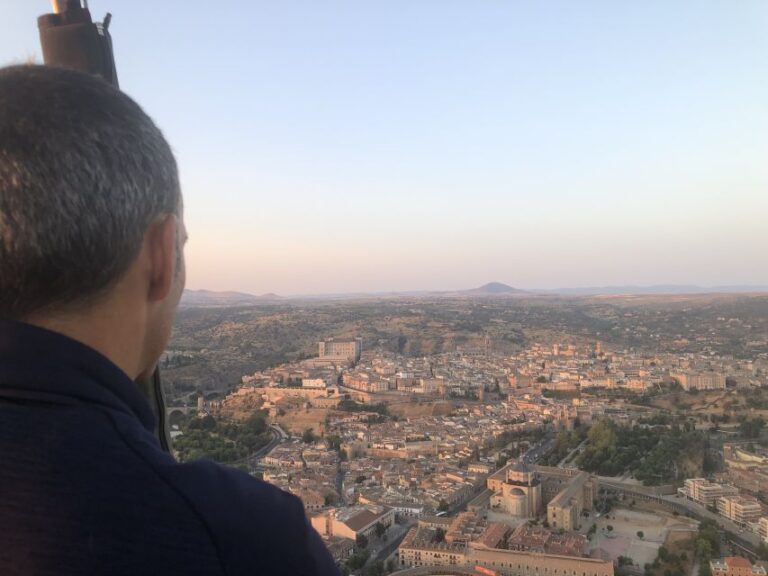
x,y
493,534
361,520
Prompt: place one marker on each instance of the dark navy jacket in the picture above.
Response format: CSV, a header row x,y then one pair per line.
x,y
86,489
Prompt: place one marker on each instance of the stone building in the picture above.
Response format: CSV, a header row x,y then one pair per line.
x,y
519,494
565,509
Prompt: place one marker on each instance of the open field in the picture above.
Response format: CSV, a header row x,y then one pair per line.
x,y
298,420
623,540
421,409
750,402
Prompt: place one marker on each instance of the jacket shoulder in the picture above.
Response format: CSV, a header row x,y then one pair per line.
x,y
255,525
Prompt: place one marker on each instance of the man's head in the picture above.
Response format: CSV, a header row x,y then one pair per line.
x,y
91,233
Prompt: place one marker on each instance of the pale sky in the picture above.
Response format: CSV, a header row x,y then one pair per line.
x,y
376,145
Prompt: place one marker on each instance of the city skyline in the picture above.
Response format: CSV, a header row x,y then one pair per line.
x,y
375,148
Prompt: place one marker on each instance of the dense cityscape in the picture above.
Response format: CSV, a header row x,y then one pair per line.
x,y
512,435
242,326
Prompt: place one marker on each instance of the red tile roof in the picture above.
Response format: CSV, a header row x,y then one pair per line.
x,y
737,562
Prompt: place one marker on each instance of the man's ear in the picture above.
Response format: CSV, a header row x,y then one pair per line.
x,y
161,248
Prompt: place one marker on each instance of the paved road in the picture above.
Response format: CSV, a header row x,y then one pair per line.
x,y
538,450
382,550
276,428
572,452
736,532
695,567
340,483
277,436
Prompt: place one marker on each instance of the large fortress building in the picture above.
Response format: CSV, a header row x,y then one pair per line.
x,y
340,351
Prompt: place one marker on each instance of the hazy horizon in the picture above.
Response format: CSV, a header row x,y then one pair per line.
x,y
396,146
676,289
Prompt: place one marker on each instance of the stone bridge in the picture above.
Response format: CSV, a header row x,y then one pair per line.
x,y
183,410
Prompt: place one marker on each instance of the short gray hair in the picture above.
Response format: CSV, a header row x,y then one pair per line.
x,y
83,173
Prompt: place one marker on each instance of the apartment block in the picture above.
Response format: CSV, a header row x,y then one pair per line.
x,y
739,509
706,493
763,528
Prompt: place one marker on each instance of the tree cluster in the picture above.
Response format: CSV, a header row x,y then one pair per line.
x,y
653,454
351,406
751,427
565,442
223,442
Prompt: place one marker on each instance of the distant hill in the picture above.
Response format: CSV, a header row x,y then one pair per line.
x,y
658,289
493,289
490,289
213,298
203,298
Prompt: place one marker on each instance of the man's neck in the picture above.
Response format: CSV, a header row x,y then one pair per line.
x,y
112,334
